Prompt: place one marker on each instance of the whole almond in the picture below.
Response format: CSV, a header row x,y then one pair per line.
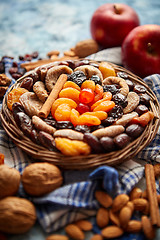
x,y
85,48
112,232
114,218
96,237
17,215
134,226
124,216
74,232
140,204
104,199
119,202
147,228
9,181
135,193
41,178
57,237
84,225
130,205
102,217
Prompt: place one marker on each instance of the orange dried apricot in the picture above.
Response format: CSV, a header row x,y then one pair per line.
x,y
71,93
60,101
144,119
63,112
14,96
107,95
88,84
104,106
71,84
98,93
100,114
74,117
88,120
72,147
106,69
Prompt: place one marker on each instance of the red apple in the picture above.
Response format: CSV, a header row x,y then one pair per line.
x,y
111,23
141,50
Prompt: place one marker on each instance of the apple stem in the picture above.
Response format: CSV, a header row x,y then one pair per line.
x,y
116,9
150,48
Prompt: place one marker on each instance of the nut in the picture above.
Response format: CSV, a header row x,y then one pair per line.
x,y
9,181
57,237
104,199
157,170
147,228
17,215
85,48
114,218
124,216
119,202
140,204
41,178
102,217
74,232
134,226
112,232
96,237
135,193
84,225
133,101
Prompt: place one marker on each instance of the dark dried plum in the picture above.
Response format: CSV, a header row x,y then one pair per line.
x,y
134,130
51,122
47,141
139,89
96,79
93,142
145,99
120,99
122,75
111,88
64,124
83,128
121,140
34,76
108,144
24,122
140,109
34,136
130,84
78,77
116,112
95,127
17,107
108,121
27,83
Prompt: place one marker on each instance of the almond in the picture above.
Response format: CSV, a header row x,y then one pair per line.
x,y
74,232
135,193
112,232
124,216
84,225
119,202
57,237
134,226
53,52
85,48
130,205
140,204
102,217
96,237
114,218
147,228
104,199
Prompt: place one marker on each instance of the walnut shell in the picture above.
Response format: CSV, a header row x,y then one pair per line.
x,y
17,215
41,178
9,181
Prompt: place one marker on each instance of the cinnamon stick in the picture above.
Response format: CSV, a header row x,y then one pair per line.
x,y
45,110
152,194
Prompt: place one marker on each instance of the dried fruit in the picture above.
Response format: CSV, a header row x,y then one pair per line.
x,y
87,119
62,113
41,178
72,85
14,96
86,95
1,158
106,69
88,84
144,119
60,101
71,93
104,106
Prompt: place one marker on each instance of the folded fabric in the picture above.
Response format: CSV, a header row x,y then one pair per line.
x,y
75,199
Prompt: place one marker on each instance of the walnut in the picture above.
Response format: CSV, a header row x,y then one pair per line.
x,y
41,178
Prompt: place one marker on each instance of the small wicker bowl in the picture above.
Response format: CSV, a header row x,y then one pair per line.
x,y
83,162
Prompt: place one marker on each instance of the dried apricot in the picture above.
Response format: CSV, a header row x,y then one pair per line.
x,y
72,147
71,93
107,96
14,96
60,101
88,120
88,84
74,117
100,114
144,119
98,92
71,84
106,69
63,112
104,106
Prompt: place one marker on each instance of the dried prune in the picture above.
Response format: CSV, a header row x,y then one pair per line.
x,y
47,140
24,122
134,130
34,76
121,140
108,144
94,128
139,88
64,125
145,99
93,142
34,136
2,67
111,88
52,122
27,83
116,112
78,77
108,121
83,128
140,109
120,99
122,75
130,84
17,107
96,79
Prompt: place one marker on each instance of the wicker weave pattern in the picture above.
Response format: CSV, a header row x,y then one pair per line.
x,y
92,160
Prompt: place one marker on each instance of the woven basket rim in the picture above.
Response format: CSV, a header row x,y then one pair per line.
x,y
83,161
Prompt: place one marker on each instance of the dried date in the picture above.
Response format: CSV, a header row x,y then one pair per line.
x,y
134,130
27,83
108,144
93,142
47,141
121,140
24,122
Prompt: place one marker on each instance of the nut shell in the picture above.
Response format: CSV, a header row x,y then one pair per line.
x,y
9,181
17,215
41,178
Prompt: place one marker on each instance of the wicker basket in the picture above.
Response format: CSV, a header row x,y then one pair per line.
x,y
83,162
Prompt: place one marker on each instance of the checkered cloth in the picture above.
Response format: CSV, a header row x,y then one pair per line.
x,y
75,199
